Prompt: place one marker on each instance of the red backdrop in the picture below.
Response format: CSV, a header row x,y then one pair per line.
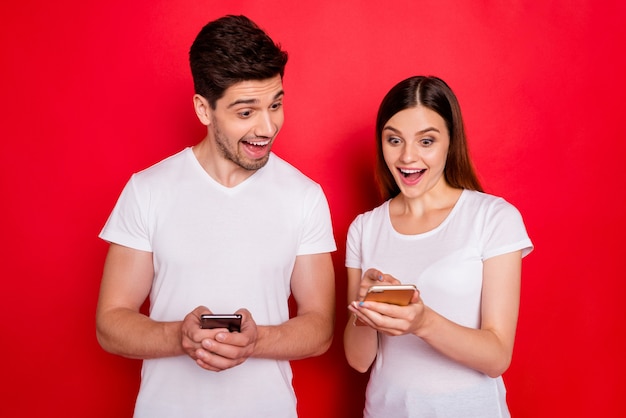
x,y
93,91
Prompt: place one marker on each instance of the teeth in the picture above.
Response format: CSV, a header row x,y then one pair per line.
x,y
404,171
259,143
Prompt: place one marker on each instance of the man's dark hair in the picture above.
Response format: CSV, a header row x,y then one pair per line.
x,y
229,50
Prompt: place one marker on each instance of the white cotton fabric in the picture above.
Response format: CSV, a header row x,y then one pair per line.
x,y
225,248
408,377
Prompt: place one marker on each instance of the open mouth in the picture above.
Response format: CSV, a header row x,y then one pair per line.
x,y
411,175
256,148
260,144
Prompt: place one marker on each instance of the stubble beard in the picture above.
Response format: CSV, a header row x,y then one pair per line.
x,y
233,155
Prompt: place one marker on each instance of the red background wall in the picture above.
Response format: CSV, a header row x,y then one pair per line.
x,y
93,91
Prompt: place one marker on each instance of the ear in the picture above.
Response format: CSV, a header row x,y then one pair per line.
x,y
202,108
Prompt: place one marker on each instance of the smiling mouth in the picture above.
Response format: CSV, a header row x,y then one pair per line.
x,y
259,144
411,173
411,177
256,148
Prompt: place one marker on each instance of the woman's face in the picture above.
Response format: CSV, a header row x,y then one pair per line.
x,y
415,144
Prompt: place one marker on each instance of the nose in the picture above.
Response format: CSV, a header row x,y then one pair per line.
x,y
409,154
267,124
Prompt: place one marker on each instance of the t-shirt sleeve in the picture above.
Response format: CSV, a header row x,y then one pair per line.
x,y
505,231
317,234
353,243
127,225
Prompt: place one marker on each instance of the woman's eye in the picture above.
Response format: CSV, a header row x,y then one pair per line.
x,y
393,140
427,141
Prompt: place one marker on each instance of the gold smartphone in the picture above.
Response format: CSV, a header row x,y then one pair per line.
x,y
398,294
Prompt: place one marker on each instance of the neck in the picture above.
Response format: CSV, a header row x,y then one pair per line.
x,y
223,171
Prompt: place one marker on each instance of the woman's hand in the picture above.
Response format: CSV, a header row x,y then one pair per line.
x,y
391,319
384,317
374,277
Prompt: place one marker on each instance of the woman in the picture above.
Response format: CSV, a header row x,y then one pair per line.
x,y
443,354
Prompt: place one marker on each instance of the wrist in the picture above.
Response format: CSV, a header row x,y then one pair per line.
x,y
424,323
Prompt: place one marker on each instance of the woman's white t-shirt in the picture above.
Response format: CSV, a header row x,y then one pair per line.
x,y
409,378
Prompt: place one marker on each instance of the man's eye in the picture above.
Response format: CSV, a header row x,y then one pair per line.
x,y
245,113
276,105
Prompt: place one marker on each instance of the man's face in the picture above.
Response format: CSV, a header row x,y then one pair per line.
x,y
246,120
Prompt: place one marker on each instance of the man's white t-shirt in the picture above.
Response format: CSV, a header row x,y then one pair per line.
x,y
409,378
224,248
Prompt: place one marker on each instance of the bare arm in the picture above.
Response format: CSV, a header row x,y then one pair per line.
x,y
360,342
488,349
120,327
310,332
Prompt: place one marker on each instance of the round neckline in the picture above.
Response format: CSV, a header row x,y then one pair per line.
x,y
442,225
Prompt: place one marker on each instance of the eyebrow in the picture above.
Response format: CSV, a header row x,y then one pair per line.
x,y
423,131
253,101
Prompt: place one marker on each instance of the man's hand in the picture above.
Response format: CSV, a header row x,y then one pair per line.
x,y
218,349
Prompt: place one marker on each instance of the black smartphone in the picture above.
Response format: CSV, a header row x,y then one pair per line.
x,y
232,322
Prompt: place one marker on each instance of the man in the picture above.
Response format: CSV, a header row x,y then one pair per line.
x,y
224,226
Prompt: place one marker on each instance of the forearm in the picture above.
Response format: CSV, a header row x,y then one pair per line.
x,y
480,349
360,345
310,332
305,335
130,334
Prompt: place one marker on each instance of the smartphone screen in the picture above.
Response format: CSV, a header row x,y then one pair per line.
x,y
232,322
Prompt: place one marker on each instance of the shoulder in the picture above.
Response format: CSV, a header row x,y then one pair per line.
x,y
499,224
164,168
484,202
489,211
286,175
372,217
278,165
